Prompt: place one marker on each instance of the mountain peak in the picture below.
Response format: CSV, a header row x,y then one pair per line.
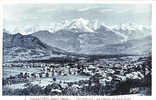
x,y
79,25
44,31
103,28
18,34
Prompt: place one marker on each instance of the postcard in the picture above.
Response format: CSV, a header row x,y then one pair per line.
x,y
63,51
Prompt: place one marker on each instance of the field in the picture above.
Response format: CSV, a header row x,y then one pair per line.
x,y
93,75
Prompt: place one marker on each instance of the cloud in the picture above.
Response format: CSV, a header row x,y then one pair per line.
x,y
46,10
86,9
106,10
138,9
30,18
83,9
124,10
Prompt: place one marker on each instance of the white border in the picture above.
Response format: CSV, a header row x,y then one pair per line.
x,y
89,1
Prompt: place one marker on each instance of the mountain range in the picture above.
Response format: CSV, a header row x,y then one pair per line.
x,y
77,37
104,40
79,42
78,25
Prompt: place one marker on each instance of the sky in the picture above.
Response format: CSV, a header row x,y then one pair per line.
x,y
29,15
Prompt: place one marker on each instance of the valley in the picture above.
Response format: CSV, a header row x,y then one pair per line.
x,y
105,73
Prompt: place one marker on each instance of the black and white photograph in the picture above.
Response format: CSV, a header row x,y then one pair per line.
x,y
77,49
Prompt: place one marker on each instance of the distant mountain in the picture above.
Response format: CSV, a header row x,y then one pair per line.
x,y
136,46
128,30
80,42
24,47
104,41
133,31
63,39
139,46
105,29
81,36
79,25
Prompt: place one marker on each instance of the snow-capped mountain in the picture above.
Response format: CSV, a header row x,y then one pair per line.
x,y
80,42
106,29
79,25
92,37
128,30
132,30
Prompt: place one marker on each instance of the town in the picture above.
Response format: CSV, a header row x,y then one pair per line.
x,y
106,74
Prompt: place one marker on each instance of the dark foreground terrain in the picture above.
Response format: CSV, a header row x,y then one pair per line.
x,y
82,76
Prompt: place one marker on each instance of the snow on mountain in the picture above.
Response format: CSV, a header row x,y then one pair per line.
x,y
90,37
132,26
132,30
129,30
80,42
79,25
104,41
106,29
95,25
